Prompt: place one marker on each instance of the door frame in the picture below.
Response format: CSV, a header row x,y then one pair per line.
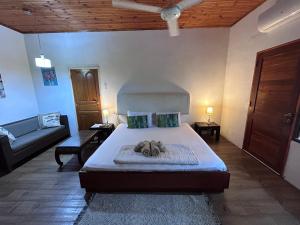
x,y
297,125
253,98
70,79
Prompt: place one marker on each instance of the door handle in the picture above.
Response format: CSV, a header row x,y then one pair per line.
x,y
289,117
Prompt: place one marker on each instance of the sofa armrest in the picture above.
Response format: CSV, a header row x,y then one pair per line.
x,y
6,154
64,121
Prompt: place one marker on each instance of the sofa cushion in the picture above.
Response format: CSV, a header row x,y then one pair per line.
x,y
49,120
11,137
28,139
23,127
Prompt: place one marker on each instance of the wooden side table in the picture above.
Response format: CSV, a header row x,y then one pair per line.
x,y
212,127
104,130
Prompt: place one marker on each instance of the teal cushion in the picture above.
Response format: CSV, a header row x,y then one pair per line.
x,y
137,121
167,120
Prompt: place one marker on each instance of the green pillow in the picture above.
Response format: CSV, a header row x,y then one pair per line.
x,y
167,120
137,121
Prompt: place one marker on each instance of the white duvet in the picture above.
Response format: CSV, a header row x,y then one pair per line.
x,y
173,154
103,158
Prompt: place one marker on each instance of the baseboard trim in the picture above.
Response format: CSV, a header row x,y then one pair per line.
x,y
262,162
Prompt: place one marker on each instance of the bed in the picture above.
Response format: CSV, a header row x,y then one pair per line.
x,y
101,174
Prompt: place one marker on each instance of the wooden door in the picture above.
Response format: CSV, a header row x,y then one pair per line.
x,y
273,104
87,97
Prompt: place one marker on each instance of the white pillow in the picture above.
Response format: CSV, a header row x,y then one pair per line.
x,y
164,113
49,120
184,118
148,114
11,137
122,119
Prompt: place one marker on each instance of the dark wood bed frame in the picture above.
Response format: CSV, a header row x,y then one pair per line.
x,y
164,181
129,181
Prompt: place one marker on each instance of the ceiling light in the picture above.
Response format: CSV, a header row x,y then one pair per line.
x,y
43,62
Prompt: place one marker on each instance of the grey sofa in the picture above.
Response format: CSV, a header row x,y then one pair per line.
x,y
29,140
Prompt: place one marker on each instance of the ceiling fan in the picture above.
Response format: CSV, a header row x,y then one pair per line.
x,y
169,14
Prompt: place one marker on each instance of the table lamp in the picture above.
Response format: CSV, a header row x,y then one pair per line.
x,y
209,112
105,114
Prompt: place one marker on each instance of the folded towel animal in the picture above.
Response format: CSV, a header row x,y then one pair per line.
x,y
149,149
139,146
154,148
162,148
146,149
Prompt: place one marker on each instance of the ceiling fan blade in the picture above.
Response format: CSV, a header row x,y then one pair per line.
x,y
173,27
136,6
187,4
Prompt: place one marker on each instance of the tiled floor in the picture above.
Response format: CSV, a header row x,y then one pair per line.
x,y
38,193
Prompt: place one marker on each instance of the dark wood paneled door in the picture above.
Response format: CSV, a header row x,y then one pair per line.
x,y
87,97
273,104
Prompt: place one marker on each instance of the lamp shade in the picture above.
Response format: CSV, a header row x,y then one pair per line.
x,y
105,112
43,62
210,110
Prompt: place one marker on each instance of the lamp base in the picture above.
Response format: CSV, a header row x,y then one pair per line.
x,y
208,121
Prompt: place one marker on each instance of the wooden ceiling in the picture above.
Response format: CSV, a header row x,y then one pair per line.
x,y
99,15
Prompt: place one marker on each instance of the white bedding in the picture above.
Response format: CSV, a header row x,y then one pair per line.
x,y
173,154
103,158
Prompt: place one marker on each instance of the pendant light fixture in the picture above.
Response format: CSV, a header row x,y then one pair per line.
x,y
42,61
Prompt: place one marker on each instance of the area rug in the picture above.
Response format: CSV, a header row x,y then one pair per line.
x,y
148,209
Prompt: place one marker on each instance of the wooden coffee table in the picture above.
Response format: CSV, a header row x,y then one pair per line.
x,y
74,145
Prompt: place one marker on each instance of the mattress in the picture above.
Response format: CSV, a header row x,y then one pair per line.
x,y
103,157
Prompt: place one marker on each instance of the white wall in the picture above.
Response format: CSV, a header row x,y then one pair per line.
x,y
292,168
195,61
245,41
20,101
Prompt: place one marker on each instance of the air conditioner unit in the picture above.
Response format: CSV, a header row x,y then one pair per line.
x,y
282,12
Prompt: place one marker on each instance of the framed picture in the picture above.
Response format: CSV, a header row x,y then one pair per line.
x,y
49,76
2,92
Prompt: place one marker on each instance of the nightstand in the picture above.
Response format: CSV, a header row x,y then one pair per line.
x,y
104,130
211,127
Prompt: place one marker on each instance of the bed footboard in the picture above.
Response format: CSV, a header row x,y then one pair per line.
x,y
131,181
